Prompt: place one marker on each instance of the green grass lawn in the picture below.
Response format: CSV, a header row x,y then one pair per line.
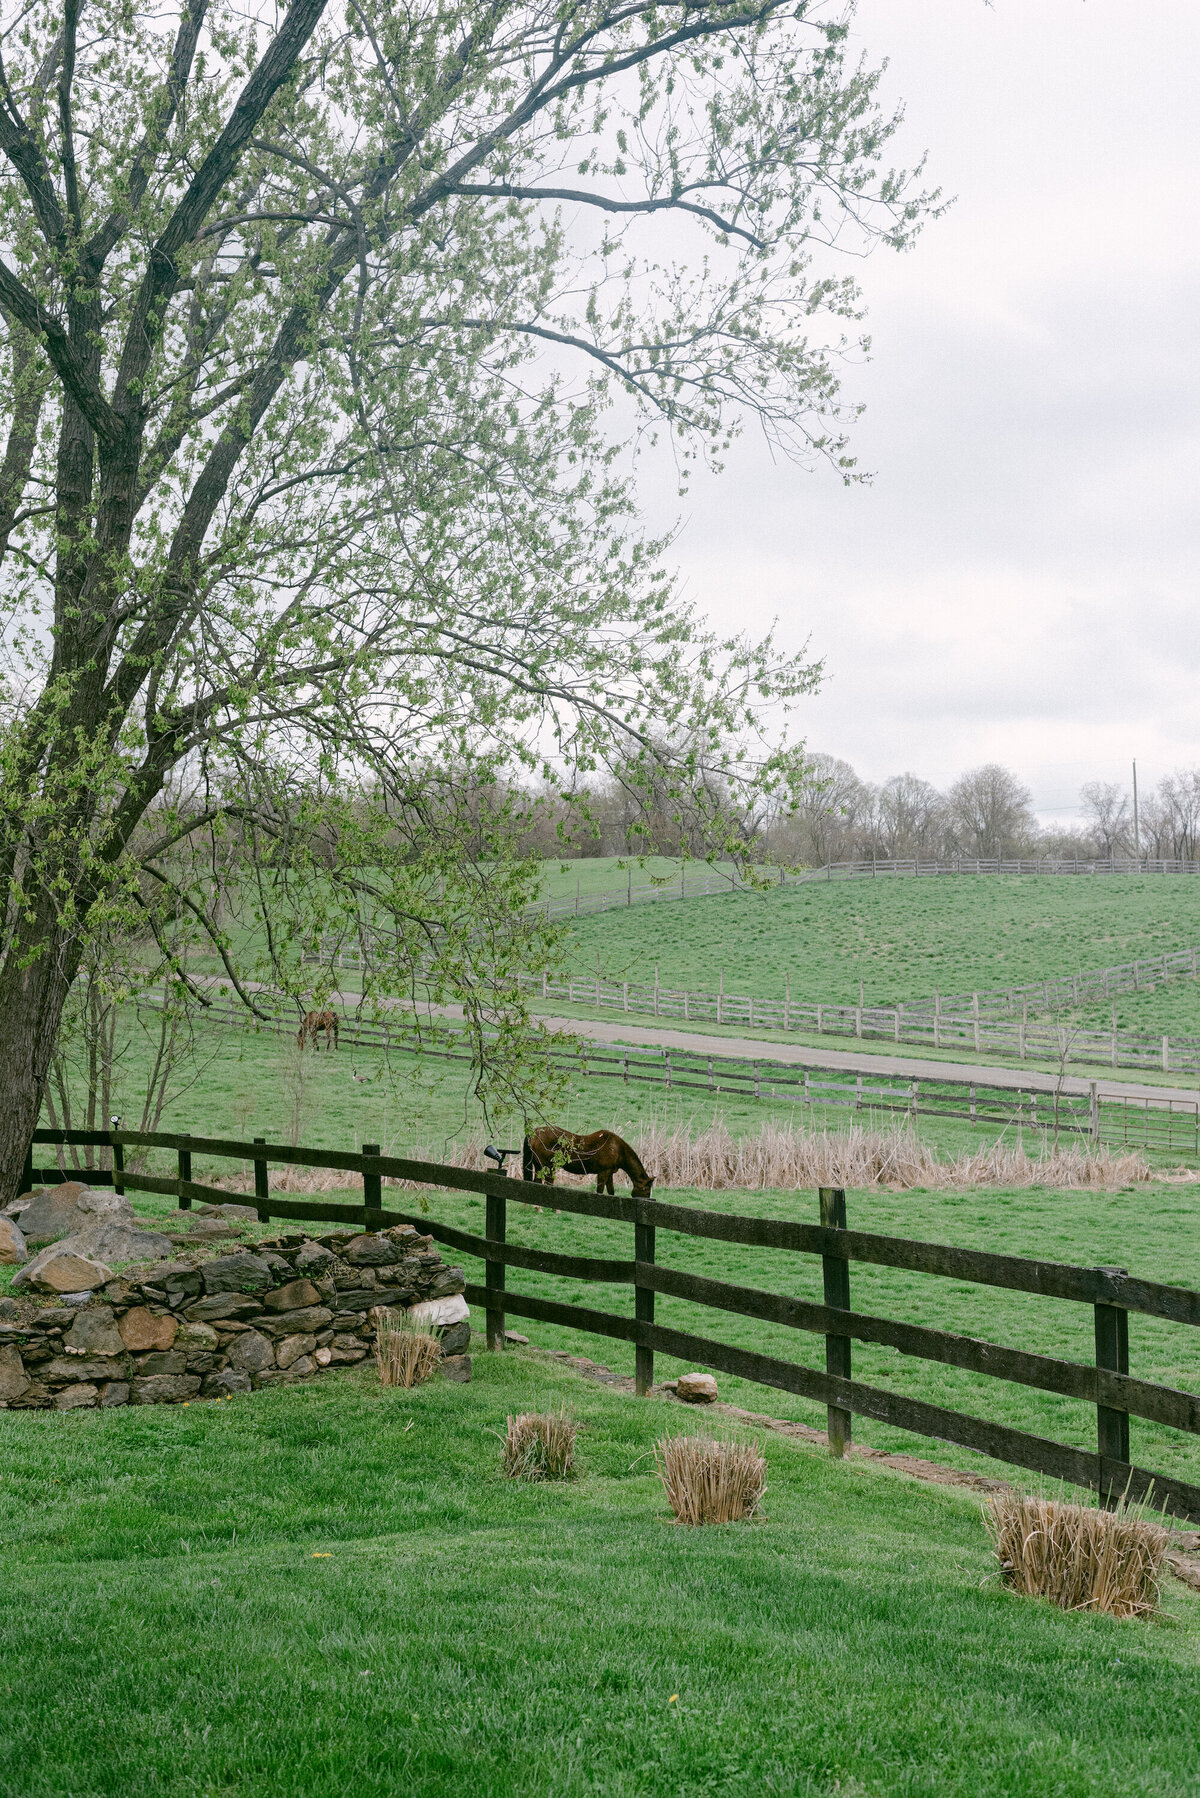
x,y
244,1084
332,1590
901,938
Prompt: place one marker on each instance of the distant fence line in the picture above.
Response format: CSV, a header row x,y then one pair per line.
x,y
1165,1124
695,880
961,1022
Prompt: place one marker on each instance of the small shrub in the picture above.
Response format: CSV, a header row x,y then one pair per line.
x,y
539,1446
708,1480
1078,1557
405,1352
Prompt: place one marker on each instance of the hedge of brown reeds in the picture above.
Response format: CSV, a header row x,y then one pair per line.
x,y
783,1158
1079,1557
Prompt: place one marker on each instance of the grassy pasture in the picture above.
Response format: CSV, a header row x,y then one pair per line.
x,y
332,1589
901,938
1151,1230
254,1083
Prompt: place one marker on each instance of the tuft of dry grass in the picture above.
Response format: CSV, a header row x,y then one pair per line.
x,y
539,1446
708,1480
405,1352
1077,1556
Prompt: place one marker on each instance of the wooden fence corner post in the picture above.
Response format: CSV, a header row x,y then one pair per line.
x,y
118,1155
1112,1425
261,1187
494,1227
372,1193
185,1173
835,1271
643,1300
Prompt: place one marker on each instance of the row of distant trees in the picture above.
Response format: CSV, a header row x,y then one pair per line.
x,y
986,812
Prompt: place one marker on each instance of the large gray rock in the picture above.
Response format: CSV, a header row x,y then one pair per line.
x,y
162,1361
290,1350
246,1213
71,1369
371,1251
217,1305
95,1332
446,1282
62,1210
13,1378
243,1272
251,1352
56,1269
164,1388
13,1250
226,1383
176,1280
456,1338
117,1240
291,1323
313,1261
76,1398
696,1389
292,1297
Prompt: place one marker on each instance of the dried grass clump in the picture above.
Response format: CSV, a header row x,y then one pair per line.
x,y
405,1352
708,1480
1078,1557
539,1446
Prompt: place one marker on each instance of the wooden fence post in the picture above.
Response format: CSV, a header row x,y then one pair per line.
x,y
118,1155
185,1173
1112,1425
835,1270
261,1187
372,1193
494,1227
643,1306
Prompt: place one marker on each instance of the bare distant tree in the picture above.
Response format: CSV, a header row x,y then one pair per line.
x,y
990,813
1175,815
834,807
1108,817
909,817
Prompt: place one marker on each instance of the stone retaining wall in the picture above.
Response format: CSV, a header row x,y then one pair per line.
x,y
207,1326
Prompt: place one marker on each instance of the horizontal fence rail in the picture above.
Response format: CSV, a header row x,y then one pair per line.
x,y
1113,1293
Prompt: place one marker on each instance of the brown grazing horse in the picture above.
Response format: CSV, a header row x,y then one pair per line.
x,y
550,1149
314,1024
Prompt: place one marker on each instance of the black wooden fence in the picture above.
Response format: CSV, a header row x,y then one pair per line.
x,y
1112,1293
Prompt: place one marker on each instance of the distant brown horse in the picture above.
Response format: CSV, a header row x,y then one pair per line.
x,y
552,1149
314,1024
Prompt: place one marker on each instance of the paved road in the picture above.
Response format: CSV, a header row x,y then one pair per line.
x,y
905,1067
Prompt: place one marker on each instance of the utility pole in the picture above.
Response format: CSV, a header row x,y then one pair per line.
x,y
1137,834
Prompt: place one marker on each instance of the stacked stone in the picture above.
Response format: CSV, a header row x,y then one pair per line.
x,y
194,1328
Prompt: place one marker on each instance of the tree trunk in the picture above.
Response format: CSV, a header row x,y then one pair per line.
x,y
34,983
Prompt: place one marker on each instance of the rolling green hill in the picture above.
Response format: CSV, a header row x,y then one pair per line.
x,y
901,938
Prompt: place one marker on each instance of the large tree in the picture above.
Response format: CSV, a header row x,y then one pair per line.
x,y
324,331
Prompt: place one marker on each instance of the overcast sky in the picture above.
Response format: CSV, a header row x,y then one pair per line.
x,y
1018,582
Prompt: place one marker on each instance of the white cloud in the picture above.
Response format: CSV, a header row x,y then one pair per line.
x,y
1019,580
